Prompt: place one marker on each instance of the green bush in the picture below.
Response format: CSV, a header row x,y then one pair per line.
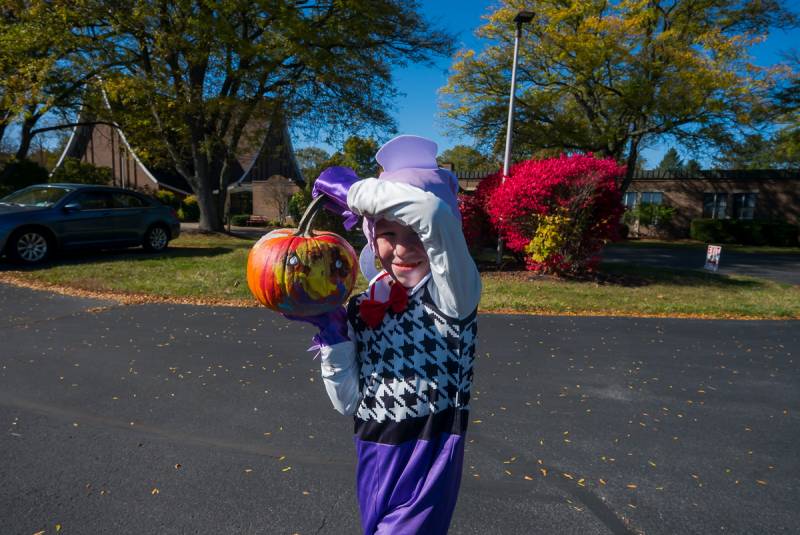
x,y
74,171
240,220
656,215
298,204
189,210
168,198
18,174
709,230
744,231
780,233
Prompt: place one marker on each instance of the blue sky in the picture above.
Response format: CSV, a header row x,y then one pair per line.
x,y
418,111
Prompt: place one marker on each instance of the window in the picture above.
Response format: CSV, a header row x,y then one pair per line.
x,y
629,199
744,205
126,200
652,197
93,200
715,205
37,196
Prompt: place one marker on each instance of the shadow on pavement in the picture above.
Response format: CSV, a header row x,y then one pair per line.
x,y
632,275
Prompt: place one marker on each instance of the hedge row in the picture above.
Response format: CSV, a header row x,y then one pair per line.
x,y
746,232
187,208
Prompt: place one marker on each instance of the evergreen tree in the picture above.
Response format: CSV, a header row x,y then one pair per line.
x,y
671,161
692,168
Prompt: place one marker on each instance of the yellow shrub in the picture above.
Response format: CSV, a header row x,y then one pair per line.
x,y
550,236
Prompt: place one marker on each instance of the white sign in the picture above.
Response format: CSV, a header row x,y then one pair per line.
x,y
712,257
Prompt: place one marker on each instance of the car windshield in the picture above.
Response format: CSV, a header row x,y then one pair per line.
x,y
36,196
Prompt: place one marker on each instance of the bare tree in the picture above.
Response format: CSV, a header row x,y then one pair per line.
x,y
279,190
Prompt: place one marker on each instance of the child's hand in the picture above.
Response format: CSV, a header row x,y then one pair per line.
x,y
334,183
332,326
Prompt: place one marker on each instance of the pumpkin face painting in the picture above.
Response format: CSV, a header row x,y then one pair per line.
x,y
301,274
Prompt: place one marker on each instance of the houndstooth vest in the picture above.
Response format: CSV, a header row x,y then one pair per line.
x,y
415,371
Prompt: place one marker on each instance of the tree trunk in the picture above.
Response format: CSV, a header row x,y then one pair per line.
x,y
203,183
6,117
219,176
633,156
25,136
3,126
211,191
210,212
208,199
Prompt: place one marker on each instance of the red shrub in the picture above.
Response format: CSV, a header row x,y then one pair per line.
x,y
478,229
559,212
473,219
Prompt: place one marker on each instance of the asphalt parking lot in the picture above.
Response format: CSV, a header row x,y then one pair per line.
x,y
783,268
182,419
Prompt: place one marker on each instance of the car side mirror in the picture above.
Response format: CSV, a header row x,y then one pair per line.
x,y
72,207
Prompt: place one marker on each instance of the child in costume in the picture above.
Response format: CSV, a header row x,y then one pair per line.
x,y
399,358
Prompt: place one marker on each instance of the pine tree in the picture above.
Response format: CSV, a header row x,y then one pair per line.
x,y
671,161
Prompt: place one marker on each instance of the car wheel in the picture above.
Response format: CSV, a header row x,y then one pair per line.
x,y
29,246
156,238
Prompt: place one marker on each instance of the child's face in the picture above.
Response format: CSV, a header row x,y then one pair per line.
x,y
401,252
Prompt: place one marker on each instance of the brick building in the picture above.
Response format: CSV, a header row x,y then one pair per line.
x,y
719,194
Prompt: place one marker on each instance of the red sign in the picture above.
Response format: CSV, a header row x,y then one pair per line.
x,y
712,257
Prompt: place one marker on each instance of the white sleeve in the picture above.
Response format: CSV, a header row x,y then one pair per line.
x,y
456,287
340,374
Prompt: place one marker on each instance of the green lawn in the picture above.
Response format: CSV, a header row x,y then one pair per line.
x,y
211,269
645,291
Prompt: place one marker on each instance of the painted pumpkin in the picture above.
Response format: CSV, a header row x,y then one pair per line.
x,y
301,272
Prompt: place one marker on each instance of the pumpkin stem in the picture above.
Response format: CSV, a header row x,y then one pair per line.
x,y
304,227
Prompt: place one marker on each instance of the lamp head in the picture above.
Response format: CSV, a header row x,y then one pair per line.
x,y
523,17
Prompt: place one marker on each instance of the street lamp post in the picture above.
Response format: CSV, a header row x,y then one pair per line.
x,y
521,18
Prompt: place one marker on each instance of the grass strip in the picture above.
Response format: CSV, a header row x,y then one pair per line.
x,y
210,269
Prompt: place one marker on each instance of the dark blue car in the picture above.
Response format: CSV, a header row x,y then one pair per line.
x,y
38,220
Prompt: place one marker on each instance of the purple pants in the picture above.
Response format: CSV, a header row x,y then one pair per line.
x,y
409,488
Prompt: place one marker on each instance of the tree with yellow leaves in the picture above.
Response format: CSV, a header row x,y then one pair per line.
x,y
608,77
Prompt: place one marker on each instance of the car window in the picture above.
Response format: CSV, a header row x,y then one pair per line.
x,y
126,200
93,200
36,196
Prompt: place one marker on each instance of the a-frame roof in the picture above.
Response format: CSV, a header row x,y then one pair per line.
x,y
265,149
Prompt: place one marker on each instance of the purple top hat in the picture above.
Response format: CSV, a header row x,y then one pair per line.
x,y
412,160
